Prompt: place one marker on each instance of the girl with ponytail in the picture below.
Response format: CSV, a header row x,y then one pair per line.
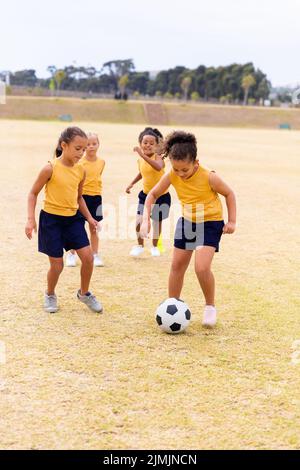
x,y
61,225
201,226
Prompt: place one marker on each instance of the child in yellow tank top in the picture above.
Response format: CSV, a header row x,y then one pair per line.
x,y
201,226
61,224
151,170
92,194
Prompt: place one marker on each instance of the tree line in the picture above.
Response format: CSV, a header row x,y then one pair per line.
x,y
231,83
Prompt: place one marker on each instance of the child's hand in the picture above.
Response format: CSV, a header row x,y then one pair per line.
x,y
229,227
93,225
145,228
30,227
139,151
129,188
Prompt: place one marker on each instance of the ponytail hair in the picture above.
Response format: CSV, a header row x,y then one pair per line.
x,y
92,134
180,145
67,136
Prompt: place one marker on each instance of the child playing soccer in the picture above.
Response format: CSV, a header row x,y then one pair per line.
x,y
92,194
61,226
201,226
151,169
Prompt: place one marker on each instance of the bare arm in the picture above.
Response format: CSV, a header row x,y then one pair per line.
x,y
158,164
83,208
159,189
103,167
136,179
44,175
218,185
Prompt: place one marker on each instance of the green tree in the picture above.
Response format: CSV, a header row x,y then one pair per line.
x,y
122,83
52,69
185,86
195,96
52,86
263,89
138,81
118,68
248,81
24,78
59,77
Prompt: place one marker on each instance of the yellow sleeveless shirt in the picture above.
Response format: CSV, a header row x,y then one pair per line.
x,y
150,176
61,191
199,202
92,185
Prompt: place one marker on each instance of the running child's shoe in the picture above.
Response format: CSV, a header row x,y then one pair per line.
x,y
137,251
209,316
50,303
70,260
98,260
90,301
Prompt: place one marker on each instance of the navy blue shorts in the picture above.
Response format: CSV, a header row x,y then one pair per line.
x,y
58,232
189,235
161,208
94,205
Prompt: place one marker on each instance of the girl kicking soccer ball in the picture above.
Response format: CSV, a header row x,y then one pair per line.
x,y
61,226
92,194
201,226
151,169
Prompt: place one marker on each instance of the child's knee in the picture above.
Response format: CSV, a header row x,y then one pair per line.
x,y
177,267
202,270
87,259
57,266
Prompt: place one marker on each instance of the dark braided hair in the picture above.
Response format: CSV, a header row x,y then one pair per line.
x,y
150,131
158,137
180,145
67,136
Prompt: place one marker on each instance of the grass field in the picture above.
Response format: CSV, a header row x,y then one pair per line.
x,y
135,112
77,380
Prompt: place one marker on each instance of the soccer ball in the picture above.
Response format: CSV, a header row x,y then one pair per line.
x,y
173,315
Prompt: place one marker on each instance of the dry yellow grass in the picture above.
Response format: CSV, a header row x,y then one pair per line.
x,y
134,112
77,380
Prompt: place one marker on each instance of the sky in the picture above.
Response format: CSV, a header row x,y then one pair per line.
x,y
156,34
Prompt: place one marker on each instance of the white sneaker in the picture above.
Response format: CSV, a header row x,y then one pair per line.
x,y
155,251
90,301
137,251
98,260
70,260
50,303
209,316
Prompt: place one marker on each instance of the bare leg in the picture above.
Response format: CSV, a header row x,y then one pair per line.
x,y
56,267
180,262
203,259
157,226
86,256
137,228
94,242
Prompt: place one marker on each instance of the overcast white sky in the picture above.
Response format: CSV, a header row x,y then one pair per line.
x,y
156,34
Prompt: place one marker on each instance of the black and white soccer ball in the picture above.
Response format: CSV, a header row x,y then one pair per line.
x,y
173,315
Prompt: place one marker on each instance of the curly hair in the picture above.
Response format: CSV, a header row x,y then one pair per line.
x,y
180,145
